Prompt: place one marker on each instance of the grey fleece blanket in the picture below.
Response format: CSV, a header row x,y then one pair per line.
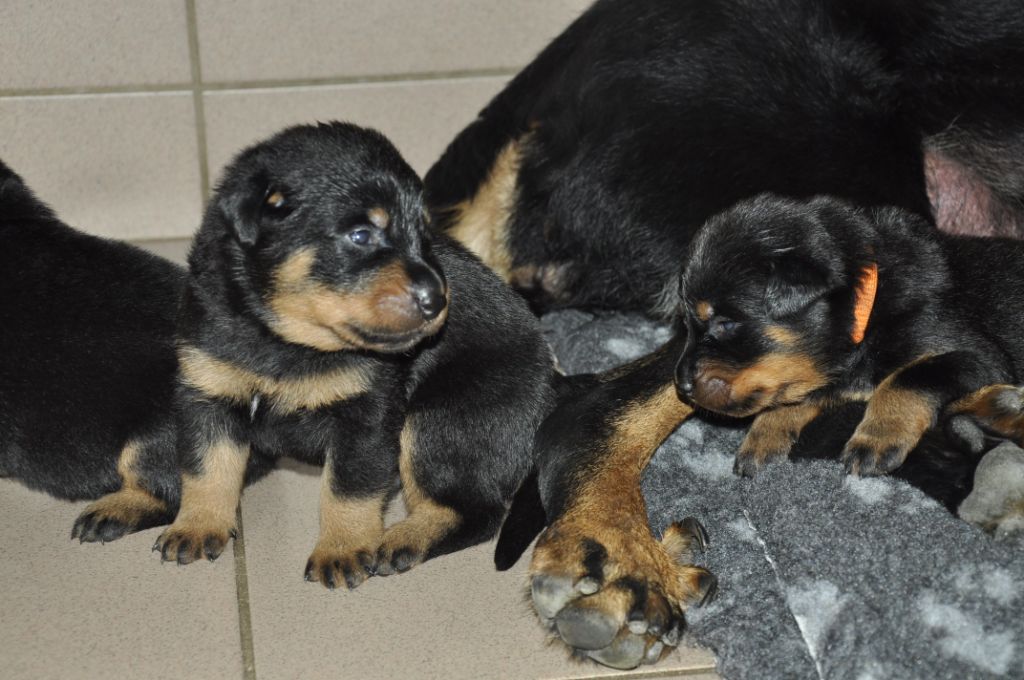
x,y
824,575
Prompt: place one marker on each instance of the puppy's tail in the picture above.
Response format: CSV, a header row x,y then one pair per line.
x,y
16,200
526,518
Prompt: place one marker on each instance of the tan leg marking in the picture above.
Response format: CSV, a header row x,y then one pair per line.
x,y
894,422
350,532
126,510
598,568
209,501
481,223
999,408
406,543
772,435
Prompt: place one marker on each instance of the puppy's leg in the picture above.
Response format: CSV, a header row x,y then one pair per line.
x,y
358,476
351,526
599,577
408,542
999,408
213,453
907,403
772,435
131,508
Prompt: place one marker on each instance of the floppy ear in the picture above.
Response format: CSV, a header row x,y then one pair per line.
x,y
794,283
242,206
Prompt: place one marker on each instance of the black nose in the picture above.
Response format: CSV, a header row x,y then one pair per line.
x,y
431,301
429,289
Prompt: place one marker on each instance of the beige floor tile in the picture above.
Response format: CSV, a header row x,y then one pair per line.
x,y
115,165
259,40
106,611
454,617
95,43
421,118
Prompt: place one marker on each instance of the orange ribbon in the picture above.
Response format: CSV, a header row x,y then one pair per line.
x,y
864,301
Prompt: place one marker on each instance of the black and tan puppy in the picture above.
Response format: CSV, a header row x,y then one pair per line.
x,y
792,307
319,320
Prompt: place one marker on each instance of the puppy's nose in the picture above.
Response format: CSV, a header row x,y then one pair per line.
x,y
430,301
429,290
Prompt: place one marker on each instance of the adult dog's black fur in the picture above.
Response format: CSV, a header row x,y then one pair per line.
x,y
585,179
318,319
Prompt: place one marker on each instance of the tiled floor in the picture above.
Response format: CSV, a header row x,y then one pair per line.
x,y
113,611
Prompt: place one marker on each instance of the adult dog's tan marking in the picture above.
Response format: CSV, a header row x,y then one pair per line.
x,y
481,222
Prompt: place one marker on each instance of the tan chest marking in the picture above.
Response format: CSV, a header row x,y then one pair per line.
x,y
222,380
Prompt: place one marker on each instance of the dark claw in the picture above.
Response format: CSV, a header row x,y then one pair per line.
x,y
696,529
308,576
368,562
745,466
327,577
708,584
212,548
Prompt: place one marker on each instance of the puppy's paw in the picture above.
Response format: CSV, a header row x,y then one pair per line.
x,y
996,408
758,451
185,543
333,566
118,514
615,594
404,546
879,446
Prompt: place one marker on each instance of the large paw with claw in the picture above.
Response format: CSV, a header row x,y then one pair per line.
x,y
615,594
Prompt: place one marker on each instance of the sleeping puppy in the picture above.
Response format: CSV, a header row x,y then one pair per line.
x,y
318,320
792,307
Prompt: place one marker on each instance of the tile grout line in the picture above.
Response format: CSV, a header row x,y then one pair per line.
x,y
197,101
642,675
242,595
282,83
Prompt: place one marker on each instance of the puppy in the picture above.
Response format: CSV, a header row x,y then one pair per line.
x,y
320,319
792,307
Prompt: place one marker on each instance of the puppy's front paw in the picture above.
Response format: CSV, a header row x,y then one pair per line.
x,y
333,566
118,514
879,445
187,542
615,594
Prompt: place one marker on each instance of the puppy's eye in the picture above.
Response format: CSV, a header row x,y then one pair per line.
x,y
361,236
277,204
721,327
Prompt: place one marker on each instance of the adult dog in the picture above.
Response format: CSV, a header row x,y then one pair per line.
x,y
583,182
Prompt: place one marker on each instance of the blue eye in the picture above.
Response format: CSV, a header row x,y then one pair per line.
x,y
361,236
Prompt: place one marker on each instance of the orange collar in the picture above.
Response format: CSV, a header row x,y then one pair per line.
x,y
864,301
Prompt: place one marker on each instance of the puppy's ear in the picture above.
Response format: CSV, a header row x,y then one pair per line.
x,y
249,203
794,283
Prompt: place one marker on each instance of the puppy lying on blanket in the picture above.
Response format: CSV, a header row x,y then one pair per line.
x,y
792,307
318,319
